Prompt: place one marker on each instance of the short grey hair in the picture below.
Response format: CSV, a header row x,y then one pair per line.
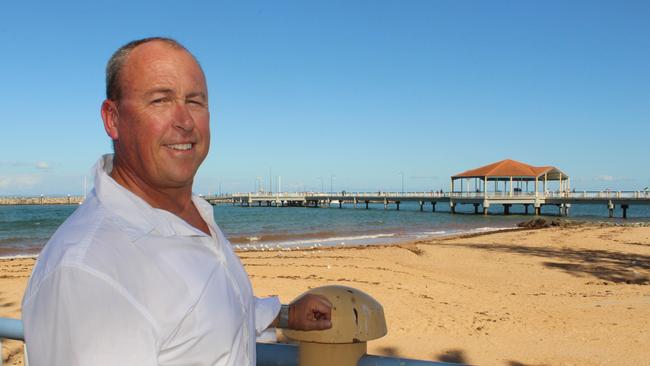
x,y
116,62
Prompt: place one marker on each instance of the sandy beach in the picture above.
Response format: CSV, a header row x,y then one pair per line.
x,y
556,296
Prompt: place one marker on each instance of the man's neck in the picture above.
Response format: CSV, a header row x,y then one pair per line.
x,y
175,200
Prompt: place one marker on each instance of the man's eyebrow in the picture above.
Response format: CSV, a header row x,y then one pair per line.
x,y
196,94
159,91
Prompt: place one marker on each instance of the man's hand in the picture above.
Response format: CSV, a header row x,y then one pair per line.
x,y
310,312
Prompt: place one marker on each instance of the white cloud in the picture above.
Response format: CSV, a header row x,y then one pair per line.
x,y
611,178
43,165
604,178
19,182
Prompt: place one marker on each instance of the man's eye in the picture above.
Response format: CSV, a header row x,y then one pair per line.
x,y
159,100
195,102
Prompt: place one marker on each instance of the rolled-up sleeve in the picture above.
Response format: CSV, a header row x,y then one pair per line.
x,y
266,310
78,318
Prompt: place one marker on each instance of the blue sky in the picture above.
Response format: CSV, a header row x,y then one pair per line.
x,y
352,93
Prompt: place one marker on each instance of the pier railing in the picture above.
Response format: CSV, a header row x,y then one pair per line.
x,y
268,354
360,195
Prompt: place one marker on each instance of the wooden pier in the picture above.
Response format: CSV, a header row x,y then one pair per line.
x,y
429,200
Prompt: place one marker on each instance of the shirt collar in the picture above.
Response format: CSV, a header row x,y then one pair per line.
x,y
137,216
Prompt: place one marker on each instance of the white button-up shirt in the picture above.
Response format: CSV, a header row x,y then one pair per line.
x,y
123,283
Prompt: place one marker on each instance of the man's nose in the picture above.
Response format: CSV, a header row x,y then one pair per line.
x,y
182,117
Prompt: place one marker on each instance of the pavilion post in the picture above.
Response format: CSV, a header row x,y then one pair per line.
x,y
485,186
561,190
510,185
535,186
545,183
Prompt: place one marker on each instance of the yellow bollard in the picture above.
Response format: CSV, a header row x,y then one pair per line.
x,y
356,319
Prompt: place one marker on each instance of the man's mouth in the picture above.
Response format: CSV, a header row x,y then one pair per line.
x,y
180,147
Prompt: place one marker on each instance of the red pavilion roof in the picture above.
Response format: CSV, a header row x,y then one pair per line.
x,y
512,168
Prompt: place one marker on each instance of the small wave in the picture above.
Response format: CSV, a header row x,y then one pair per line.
x,y
452,232
339,238
491,228
428,234
253,238
18,256
313,243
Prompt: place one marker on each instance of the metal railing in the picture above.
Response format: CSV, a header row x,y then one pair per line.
x,y
11,329
268,354
300,195
489,194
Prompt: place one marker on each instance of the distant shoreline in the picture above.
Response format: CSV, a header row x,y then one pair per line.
x,y
41,200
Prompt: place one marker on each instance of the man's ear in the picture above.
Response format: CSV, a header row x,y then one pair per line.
x,y
111,118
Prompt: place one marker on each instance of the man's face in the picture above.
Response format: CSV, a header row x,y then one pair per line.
x,y
162,131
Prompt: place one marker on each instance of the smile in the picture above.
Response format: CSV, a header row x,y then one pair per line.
x,y
181,147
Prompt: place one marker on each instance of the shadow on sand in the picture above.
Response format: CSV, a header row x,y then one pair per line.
x,y
452,356
605,265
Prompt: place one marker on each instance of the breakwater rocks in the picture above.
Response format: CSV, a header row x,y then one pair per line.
x,y
41,200
540,223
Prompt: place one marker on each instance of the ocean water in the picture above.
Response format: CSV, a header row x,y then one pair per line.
x,y
25,229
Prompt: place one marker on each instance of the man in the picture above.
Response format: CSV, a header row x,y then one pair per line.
x,y
140,274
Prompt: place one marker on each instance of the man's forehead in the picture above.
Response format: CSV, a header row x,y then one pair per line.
x,y
157,64
156,48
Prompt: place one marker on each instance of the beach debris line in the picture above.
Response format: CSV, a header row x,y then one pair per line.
x,y
540,223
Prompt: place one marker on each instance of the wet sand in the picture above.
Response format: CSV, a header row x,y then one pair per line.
x,y
556,296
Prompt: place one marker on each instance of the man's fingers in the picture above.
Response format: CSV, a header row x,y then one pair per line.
x,y
321,304
313,312
317,315
318,324
322,324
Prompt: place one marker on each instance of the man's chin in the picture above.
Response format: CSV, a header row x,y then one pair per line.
x,y
180,182
176,179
